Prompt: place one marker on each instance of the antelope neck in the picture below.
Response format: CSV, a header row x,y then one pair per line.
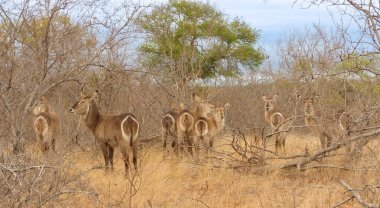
x,y
92,116
269,113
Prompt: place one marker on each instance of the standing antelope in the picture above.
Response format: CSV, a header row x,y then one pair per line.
x,y
110,131
46,125
169,125
185,125
206,128
178,122
276,120
312,122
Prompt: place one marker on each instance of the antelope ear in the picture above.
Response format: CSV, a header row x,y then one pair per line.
x,y
275,97
181,106
82,95
265,98
226,106
95,95
196,98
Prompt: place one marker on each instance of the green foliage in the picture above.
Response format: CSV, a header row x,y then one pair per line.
x,y
358,64
194,40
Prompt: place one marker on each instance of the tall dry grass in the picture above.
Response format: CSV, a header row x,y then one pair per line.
x,y
167,180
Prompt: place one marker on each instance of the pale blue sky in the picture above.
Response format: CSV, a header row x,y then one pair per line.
x,y
274,17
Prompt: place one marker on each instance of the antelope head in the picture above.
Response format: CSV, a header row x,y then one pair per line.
x,y
202,105
309,106
83,105
270,103
219,112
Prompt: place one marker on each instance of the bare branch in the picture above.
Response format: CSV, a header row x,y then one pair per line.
x,y
357,195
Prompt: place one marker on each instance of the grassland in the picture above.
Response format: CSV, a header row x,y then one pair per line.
x,y
165,180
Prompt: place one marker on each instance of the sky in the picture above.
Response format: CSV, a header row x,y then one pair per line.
x,y
274,17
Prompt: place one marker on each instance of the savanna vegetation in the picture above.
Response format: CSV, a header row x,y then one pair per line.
x,y
146,60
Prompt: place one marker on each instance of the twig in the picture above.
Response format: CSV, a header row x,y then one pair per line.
x,y
27,168
333,147
342,202
288,157
357,196
337,167
198,200
39,175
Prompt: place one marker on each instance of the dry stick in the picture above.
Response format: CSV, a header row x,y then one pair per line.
x,y
237,148
357,196
288,157
339,167
304,161
262,152
342,202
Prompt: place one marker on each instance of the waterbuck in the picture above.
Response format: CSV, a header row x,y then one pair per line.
x,y
312,121
183,118
46,125
110,131
206,128
276,121
169,127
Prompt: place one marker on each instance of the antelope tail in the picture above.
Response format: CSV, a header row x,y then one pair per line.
x,y
201,128
130,129
277,119
186,121
168,122
41,126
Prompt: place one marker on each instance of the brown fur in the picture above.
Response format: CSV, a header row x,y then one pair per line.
x,y
46,125
110,131
185,124
178,122
206,128
169,127
276,120
313,123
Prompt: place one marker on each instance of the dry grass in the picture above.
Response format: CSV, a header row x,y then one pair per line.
x,y
172,181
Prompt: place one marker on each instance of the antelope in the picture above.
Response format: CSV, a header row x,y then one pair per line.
x,y
185,124
110,131
169,126
206,128
312,122
276,121
46,125
179,122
